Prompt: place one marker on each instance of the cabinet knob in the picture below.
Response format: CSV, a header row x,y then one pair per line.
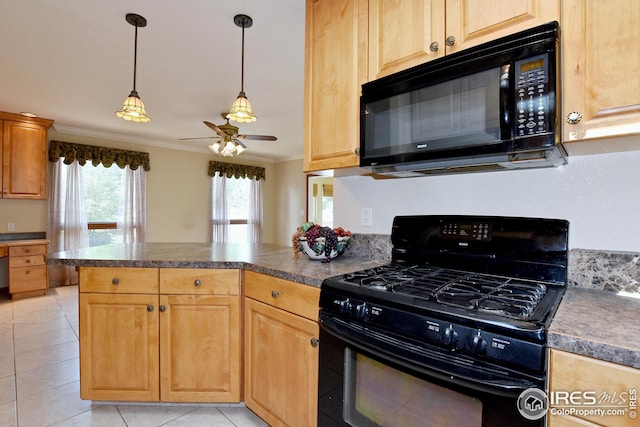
x,y
115,281
27,261
197,282
162,308
27,250
433,47
314,342
357,151
150,308
574,118
275,294
27,272
450,41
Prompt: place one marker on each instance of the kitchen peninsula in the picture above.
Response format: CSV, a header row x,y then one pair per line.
x,y
278,295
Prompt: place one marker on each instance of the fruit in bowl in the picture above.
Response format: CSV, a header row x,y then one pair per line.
x,y
318,242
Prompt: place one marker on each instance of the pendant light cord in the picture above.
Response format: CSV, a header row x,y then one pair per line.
x,y
242,71
135,57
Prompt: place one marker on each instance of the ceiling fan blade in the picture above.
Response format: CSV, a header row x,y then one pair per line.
x,y
215,128
258,137
202,137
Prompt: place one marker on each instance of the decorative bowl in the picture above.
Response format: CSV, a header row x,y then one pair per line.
x,y
316,250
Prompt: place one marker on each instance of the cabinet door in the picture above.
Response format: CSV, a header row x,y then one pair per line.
x,y
200,348
472,22
119,347
335,67
24,161
600,68
402,33
281,366
611,382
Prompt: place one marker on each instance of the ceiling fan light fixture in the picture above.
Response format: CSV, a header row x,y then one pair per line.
x,y
241,110
215,147
133,107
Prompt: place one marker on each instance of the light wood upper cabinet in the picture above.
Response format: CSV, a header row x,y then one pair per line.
x,y
473,22
335,67
404,33
601,66
24,156
570,372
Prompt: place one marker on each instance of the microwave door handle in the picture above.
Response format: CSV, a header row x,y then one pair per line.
x,y
506,90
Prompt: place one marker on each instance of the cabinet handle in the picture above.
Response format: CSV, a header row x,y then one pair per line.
x,y
162,308
314,342
357,151
450,41
275,294
150,308
27,261
433,47
574,118
27,250
197,282
115,281
27,272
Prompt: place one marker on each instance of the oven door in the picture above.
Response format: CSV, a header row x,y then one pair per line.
x,y
370,378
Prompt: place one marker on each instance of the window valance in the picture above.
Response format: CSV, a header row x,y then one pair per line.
x,y
236,171
105,155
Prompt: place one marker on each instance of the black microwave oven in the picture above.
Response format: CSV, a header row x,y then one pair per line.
x,y
490,107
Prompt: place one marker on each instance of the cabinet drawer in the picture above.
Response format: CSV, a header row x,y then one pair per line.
x,y
25,279
296,298
119,280
26,261
199,281
27,250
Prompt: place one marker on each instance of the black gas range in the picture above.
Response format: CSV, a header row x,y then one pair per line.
x,y
466,300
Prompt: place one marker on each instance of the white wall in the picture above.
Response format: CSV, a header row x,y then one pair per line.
x,y
599,194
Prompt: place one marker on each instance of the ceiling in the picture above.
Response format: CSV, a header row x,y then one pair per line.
x,y
72,61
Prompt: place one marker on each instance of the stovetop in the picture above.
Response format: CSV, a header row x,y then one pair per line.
x,y
503,296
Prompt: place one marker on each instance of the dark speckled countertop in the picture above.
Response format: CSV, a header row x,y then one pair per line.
x,y
269,259
598,324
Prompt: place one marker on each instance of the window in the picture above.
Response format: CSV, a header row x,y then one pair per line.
x,y
236,209
103,191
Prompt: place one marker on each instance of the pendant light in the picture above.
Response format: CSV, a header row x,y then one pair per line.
x,y
133,108
241,110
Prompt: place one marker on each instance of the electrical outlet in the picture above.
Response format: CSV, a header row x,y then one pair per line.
x,y
365,217
11,226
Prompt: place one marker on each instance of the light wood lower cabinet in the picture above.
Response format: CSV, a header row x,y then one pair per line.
x,y
139,343
281,350
119,347
611,386
27,270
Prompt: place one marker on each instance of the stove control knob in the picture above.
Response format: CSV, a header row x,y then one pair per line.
x,y
362,311
450,336
478,344
344,306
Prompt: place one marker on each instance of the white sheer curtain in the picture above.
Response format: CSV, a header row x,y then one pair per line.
x,y
219,215
67,219
132,208
254,222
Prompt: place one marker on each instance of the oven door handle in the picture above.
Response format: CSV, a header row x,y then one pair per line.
x,y
429,360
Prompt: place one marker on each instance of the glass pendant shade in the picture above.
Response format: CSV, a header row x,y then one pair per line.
x,y
232,147
133,109
241,110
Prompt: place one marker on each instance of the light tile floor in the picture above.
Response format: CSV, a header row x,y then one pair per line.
x,y
40,378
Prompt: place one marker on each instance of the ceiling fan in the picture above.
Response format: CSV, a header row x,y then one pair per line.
x,y
228,139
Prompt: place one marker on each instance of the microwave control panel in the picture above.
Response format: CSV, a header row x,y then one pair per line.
x,y
533,92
